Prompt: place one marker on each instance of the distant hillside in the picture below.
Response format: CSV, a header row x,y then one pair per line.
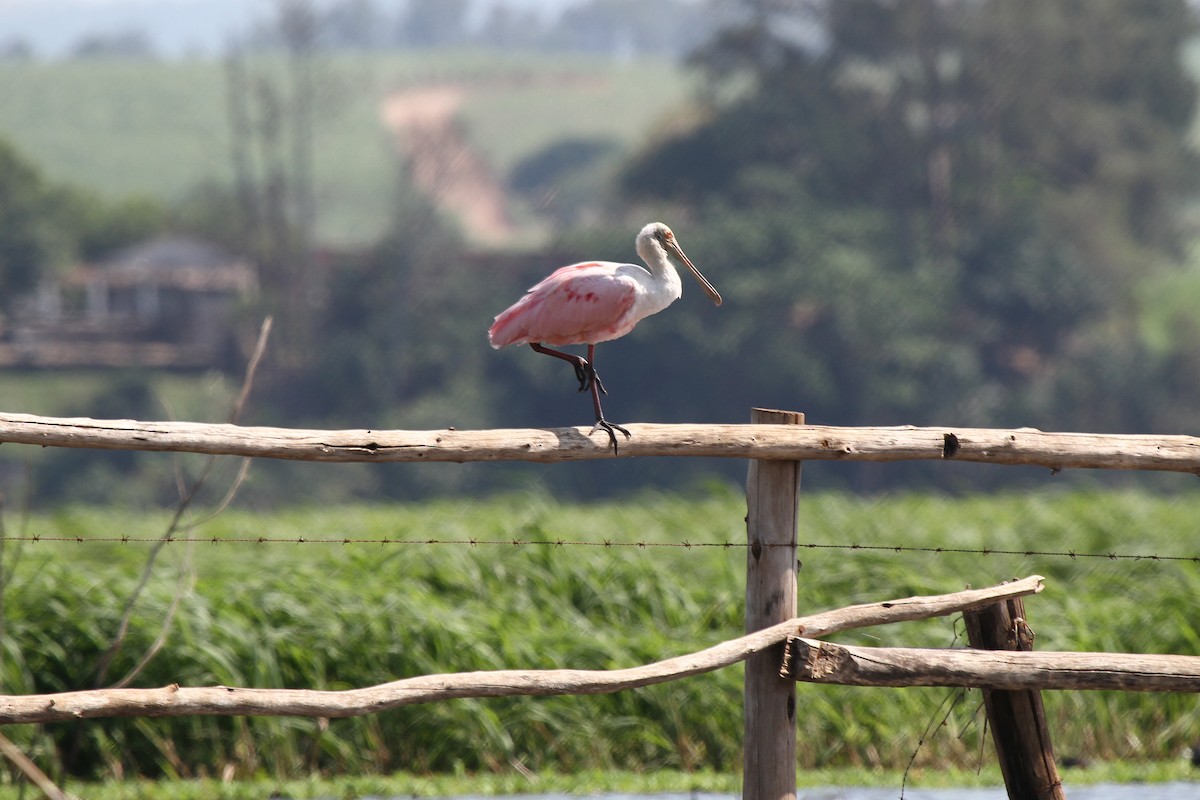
x,y
159,128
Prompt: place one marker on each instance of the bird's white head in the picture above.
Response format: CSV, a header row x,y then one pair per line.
x,y
657,242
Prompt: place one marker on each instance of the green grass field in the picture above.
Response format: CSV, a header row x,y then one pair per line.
x,y
160,128
64,393
592,783
331,615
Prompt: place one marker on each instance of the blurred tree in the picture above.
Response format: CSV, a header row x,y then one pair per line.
x,y
121,44
512,28
101,227
569,181
274,109
1006,171
391,332
397,347
26,230
44,226
16,49
663,28
90,476
353,24
433,23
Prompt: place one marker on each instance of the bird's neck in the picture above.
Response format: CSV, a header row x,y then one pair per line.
x,y
662,272
656,260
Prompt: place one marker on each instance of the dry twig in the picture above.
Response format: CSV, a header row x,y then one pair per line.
x,y
174,527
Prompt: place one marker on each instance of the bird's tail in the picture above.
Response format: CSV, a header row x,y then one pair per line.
x,y
507,329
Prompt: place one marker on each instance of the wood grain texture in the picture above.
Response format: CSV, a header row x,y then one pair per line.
x,y
769,709
176,701
770,441
1020,732
823,662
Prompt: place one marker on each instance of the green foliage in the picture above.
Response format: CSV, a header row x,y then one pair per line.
x,y
335,616
44,226
591,783
105,226
392,332
52,475
946,208
568,181
873,346
27,237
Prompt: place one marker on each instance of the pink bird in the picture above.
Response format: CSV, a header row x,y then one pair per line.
x,y
595,301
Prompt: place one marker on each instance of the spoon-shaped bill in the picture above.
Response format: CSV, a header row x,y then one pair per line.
x,y
709,289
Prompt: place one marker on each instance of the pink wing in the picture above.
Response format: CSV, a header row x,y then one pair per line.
x,y
579,304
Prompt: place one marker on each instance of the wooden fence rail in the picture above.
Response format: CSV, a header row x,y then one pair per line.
x,y
1019,446
770,584
176,701
850,665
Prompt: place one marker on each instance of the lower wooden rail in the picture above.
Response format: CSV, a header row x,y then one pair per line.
x,y
1013,670
177,701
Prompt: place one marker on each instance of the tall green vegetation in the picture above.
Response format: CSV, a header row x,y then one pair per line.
x,y
331,616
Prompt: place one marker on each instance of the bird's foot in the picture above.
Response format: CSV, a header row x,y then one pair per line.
x,y
587,376
583,374
611,429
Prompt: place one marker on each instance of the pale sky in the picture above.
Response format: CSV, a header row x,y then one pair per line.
x,y
174,26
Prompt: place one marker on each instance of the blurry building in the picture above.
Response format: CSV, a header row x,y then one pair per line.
x,y
168,302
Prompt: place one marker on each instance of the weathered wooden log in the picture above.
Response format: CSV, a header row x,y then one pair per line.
x,y
176,701
769,708
788,442
1020,733
824,662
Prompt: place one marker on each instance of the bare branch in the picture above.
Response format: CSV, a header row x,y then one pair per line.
x,y
230,494
175,525
173,701
260,347
25,764
184,586
919,607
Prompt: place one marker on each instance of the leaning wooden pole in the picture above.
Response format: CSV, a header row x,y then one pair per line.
x,y
772,497
1017,719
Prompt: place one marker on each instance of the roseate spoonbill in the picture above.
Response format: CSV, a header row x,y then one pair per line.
x,y
595,301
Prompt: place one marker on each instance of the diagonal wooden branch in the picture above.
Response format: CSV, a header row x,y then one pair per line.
x,y
30,770
823,662
174,701
792,442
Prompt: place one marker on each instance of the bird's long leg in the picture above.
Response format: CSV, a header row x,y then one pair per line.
x,y
583,370
598,387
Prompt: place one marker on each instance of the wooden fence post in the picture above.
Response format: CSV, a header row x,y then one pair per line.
x,y
769,740
1017,719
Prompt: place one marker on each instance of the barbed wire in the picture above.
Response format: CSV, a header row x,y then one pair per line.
x,y
602,543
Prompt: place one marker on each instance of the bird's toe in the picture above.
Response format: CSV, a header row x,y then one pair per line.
x,y
611,429
582,375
